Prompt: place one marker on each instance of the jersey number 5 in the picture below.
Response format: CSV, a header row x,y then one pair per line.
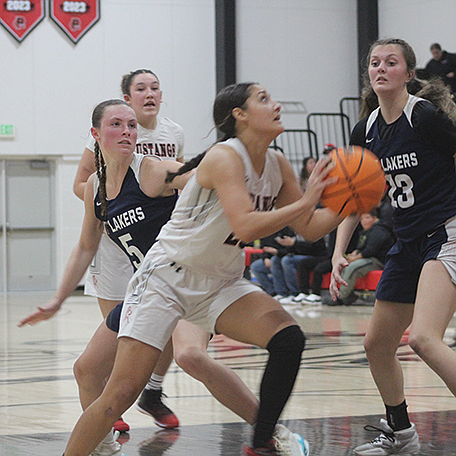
x,y
131,250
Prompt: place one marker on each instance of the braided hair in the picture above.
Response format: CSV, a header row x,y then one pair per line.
x,y
100,164
229,98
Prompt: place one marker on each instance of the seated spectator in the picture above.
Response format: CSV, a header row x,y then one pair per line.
x,y
308,164
375,240
318,270
286,270
276,270
261,267
300,251
318,266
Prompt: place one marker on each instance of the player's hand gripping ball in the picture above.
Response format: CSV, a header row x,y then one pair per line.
x,y
361,181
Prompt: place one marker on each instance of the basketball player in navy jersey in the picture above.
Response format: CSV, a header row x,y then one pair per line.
x,y
195,270
110,271
415,141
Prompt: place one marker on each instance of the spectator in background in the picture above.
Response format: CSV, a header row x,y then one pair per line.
x,y
262,266
276,270
313,288
318,266
316,253
443,65
299,250
375,240
308,164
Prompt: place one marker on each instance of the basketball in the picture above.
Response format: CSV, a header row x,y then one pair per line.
x,y
361,181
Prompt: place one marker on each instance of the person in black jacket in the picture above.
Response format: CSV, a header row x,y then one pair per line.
x,y
299,250
375,240
442,65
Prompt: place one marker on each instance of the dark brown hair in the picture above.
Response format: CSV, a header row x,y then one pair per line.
x,y
127,80
229,98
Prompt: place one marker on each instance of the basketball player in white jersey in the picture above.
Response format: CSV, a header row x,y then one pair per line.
x,y
195,269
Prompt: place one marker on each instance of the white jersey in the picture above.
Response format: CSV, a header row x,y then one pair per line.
x,y
165,141
199,235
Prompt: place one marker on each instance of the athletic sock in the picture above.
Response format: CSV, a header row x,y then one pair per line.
x,y
155,382
109,439
397,416
285,349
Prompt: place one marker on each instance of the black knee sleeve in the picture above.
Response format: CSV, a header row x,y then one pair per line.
x,y
285,350
290,340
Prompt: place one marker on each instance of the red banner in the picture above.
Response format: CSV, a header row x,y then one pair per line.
x,y
20,17
75,18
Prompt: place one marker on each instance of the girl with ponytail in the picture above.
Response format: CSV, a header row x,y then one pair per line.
x,y
241,191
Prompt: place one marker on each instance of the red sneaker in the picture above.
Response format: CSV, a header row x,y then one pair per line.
x,y
121,426
150,403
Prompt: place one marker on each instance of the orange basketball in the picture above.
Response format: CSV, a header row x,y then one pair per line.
x,y
361,182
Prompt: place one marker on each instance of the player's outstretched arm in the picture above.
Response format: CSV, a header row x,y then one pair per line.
x,y
77,265
79,261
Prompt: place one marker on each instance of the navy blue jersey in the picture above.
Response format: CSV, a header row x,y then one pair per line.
x,y
134,219
416,152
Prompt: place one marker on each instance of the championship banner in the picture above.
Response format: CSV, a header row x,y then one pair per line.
x,y
75,18
20,17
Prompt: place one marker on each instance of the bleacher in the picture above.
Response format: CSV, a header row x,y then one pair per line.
x,y
319,128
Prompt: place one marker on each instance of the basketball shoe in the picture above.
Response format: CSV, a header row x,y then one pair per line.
x,y
390,442
283,443
108,449
150,403
121,426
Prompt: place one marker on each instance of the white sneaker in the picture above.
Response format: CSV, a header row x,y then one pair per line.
x,y
109,449
300,297
390,442
312,299
288,443
278,297
289,300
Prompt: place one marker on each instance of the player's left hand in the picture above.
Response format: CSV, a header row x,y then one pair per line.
x,y
43,313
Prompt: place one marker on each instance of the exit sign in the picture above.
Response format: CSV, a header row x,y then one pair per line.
x,y
7,131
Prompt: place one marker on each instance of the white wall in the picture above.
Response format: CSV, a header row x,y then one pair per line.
x,y
420,23
49,85
300,50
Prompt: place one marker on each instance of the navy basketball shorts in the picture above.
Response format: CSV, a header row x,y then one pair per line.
x,y
405,260
113,318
